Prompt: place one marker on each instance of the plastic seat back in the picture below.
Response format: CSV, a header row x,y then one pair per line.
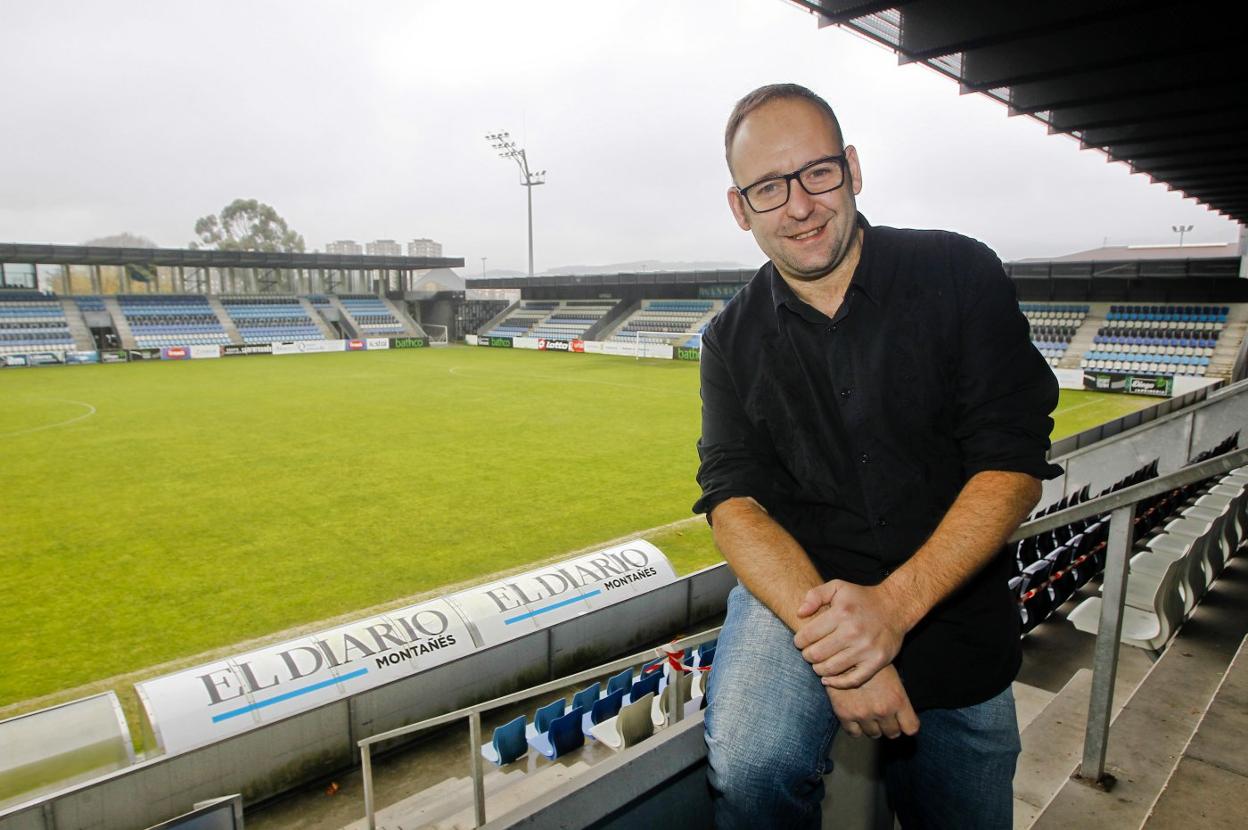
x,y
509,743
606,707
586,698
646,685
546,715
622,681
565,732
634,723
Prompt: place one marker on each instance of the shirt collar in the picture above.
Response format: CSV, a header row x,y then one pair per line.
x,y
864,281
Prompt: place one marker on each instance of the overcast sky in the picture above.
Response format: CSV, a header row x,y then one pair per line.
x,y
366,120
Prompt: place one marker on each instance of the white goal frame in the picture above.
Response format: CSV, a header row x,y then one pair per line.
x,y
437,334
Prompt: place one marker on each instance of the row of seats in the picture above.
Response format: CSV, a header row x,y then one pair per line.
x,y
618,716
30,320
1173,568
1050,567
522,319
1053,326
571,321
265,319
372,316
1178,313
1145,364
682,319
158,320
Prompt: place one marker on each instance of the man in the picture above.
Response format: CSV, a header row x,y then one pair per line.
x,y
874,426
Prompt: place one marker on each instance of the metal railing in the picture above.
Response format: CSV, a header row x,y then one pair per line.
x,y
473,715
1120,505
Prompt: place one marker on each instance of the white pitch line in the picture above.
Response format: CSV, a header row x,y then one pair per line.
x,y
76,418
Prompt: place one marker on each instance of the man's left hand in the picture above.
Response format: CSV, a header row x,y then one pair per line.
x,y
852,631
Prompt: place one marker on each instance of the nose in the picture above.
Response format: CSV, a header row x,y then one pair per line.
x,y
801,204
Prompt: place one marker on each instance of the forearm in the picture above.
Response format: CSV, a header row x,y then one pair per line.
x,y
767,560
987,510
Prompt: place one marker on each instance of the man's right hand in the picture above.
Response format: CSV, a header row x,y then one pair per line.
x,y
878,707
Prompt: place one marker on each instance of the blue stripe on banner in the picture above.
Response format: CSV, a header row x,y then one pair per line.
x,y
233,713
551,607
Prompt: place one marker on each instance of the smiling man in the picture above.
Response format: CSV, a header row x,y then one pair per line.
x,y
874,426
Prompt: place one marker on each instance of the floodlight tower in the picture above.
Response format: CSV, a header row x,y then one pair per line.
x,y
507,149
1181,230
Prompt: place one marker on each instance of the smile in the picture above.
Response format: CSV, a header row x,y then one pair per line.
x,y
810,234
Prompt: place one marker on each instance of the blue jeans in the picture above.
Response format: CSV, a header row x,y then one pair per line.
x,y
769,730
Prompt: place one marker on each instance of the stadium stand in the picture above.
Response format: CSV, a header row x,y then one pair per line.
x,y
373,318
1053,326
521,320
171,320
32,321
571,319
1164,339
683,319
1051,567
266,319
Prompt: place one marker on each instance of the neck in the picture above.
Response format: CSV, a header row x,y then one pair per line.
x,y
827,292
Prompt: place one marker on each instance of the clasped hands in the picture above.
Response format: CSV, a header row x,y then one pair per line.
x,y
850,636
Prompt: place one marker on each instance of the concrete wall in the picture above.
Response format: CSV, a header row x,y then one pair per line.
x,y
1167,433
280,756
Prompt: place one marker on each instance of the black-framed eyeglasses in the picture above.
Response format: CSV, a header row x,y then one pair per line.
x,y
820,176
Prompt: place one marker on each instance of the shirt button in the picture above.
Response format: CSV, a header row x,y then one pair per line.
x,y
882,522
845,393
865,458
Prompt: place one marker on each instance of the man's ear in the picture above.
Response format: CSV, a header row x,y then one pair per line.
x,y
736,203
855,169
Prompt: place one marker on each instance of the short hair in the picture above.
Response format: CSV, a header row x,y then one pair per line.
x,y
765,95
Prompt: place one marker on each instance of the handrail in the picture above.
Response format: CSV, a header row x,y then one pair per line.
x,y
1120,504
473,713
1108,502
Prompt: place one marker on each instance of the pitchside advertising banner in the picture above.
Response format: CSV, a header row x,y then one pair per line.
x,y
1161,386
408,343
228,697
377,343
547,345
495,342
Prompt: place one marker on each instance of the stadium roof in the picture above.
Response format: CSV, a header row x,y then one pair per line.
x,y
1157,85
198,258
1136,253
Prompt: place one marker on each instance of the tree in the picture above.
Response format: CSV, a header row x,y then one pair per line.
x,y
247,225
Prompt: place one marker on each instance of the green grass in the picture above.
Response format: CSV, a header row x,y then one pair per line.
x,y
209,502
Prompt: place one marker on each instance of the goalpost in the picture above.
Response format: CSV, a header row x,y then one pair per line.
x,y
656,343
437,334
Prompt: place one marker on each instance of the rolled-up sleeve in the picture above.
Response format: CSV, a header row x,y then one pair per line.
x,y
728,449
1005,388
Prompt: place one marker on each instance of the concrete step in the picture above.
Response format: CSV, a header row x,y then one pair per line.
x,y
1152,729
1081,340
349,326
119,323
1206,788
326,331
520,791
410,327
223,317
77,326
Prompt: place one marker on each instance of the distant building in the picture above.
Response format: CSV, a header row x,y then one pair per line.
x,y
383,247
424,247
344,246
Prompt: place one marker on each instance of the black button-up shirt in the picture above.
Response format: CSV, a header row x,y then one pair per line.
x,y
856,433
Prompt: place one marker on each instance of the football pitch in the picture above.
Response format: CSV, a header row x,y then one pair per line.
x,y
157,511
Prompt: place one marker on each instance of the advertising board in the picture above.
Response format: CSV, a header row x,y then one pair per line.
x,y
409,343
175,353
495,342
246,349
1160,386
143,354
82,357
203,352
546,344
113,356
377,343
687,353
230,696
355,345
